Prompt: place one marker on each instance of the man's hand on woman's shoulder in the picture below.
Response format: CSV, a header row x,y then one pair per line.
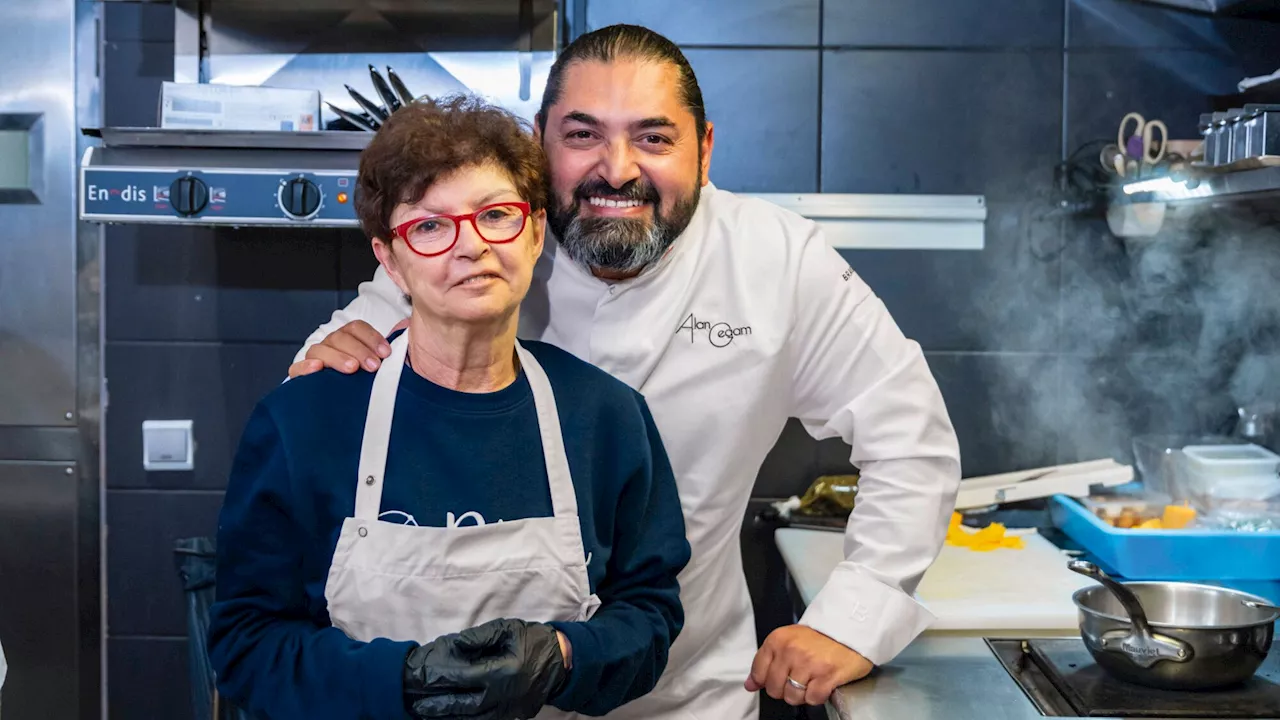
x,y
351,347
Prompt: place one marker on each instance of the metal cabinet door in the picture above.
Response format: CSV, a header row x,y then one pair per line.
x,y
39,623
37,212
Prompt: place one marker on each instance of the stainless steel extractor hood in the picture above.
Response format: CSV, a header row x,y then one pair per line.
x,y
330,27
502,49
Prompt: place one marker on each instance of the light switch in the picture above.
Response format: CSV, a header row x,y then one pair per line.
x,y
167,445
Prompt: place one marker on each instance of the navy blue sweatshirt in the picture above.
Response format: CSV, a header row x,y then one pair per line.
x,y
294,480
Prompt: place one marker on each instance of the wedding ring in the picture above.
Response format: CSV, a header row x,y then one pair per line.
x,y
797,685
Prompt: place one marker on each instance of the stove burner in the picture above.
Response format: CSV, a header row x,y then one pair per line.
x,y
1062,679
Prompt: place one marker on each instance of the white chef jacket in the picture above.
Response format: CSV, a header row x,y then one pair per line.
x,y
752,318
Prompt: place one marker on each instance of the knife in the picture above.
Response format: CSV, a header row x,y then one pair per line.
x,y
374,111
351,118
406,97
389,101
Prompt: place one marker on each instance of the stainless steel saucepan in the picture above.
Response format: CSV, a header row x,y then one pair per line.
x,y
1172,635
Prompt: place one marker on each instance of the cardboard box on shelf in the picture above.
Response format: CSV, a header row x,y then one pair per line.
x,y
197,106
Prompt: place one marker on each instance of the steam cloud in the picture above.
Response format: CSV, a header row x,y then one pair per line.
x,y
1159,335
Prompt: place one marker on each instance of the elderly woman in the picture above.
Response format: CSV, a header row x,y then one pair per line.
x,y
481,528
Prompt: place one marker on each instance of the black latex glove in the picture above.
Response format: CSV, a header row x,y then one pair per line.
x,y
500,670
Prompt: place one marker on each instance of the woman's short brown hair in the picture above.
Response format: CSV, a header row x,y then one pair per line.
x,y
427,140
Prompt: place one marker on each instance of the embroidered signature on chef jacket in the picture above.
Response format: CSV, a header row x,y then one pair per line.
x,y
718,334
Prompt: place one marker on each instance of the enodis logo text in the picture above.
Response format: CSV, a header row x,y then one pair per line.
x,y
129,193
719,334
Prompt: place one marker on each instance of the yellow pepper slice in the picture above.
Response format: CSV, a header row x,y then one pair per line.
x,y
991,537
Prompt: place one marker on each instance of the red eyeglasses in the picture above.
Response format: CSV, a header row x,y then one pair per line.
x,y
437,234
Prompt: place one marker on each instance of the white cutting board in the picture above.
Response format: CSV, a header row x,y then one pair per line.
x,y
1027,589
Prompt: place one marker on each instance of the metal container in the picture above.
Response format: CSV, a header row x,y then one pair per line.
x,y
1239,135
1221,136
1205,127
1173,636
1262,126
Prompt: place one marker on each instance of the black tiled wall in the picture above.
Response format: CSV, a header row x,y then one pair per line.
x,y
1051,344
199,324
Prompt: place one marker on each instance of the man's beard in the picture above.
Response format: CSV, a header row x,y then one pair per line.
x,y
621,245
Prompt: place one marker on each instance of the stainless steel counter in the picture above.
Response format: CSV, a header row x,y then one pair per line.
x,y
936,677
948,677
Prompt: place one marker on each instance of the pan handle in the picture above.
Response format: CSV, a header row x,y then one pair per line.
x,y
1145,649
1143,646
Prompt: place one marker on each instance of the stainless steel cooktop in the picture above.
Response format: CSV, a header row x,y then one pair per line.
x,y
1062,680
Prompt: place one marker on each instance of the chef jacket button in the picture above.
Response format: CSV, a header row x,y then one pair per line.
x,y
368,480
363,532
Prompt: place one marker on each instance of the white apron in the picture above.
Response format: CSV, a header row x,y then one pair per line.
x,y
406,582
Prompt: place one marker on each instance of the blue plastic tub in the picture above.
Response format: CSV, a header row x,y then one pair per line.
x,y
1247,561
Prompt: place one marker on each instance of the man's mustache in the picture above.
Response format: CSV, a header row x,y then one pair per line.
x,y
631,190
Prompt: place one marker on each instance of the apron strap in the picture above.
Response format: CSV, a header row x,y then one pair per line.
x,y
564,502
377,431
377,434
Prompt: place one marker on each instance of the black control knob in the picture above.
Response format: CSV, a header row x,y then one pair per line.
x,y
299,198
188,195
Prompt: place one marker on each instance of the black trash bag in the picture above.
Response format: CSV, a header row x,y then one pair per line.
x,y
196,561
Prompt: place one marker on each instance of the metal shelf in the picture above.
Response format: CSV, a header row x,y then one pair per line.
x,y
128,137
1238,186
892,222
